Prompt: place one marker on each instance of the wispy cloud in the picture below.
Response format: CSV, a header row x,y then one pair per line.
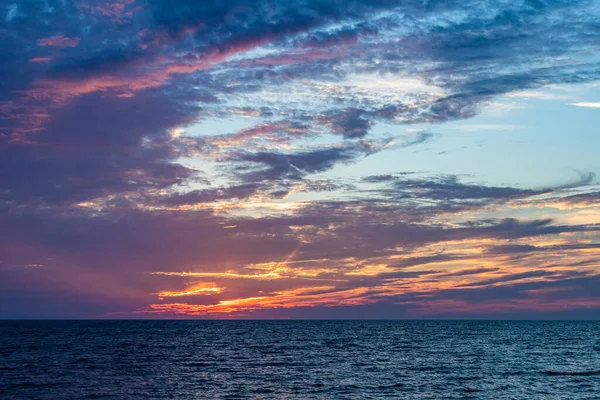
x,y
487,127
587,105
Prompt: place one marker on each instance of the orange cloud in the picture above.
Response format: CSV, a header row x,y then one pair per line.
x,y
301,297
202,288
439,269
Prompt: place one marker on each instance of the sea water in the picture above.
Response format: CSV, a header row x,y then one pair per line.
x,y
299,360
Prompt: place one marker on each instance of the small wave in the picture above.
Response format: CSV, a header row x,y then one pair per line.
x,y
570,373
407,346
27,385
392,386
198,364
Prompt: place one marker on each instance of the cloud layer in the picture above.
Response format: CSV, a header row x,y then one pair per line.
x,y
184,158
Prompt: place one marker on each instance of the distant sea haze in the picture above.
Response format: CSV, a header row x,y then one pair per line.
x,y
299,360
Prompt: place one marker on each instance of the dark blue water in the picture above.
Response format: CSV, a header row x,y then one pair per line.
x,y
299,360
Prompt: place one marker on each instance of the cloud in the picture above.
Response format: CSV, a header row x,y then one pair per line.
x,y
449,188
418,138
280,166
585,178
59,41
465,272
112,193
512,277
349,123
95,148
487,127
586,105
40,59
239,192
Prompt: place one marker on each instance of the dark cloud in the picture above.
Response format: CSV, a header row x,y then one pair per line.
x,y
280,166
585,178
465,272
512,249
449,188
419,138
95,148
561,287
326,185
249,18
239,192
349,123
512,277
378,178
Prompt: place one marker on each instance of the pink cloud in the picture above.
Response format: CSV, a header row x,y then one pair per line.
x,y
119,11
40,60
59,41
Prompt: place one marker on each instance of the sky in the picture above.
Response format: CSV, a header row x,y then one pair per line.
x,y
302,159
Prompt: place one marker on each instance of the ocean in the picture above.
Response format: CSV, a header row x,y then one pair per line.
x,y
299,360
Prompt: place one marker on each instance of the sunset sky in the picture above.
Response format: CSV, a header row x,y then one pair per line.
x,y
300,159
